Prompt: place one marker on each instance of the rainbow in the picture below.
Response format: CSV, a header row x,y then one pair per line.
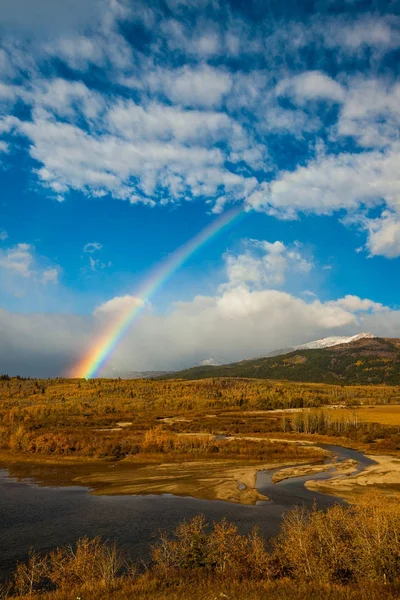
x,y
102,348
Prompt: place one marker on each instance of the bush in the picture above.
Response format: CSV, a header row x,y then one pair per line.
x,y
345,544
222,550
343,550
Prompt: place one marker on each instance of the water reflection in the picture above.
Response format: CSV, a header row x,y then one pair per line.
x,y
45,517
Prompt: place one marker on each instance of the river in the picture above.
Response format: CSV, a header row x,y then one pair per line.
x,y
41,517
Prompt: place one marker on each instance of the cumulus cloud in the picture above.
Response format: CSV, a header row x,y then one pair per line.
x,y
117,305
236,323
384,235
334,182
245,317
144,152
265,263
357,305
370,112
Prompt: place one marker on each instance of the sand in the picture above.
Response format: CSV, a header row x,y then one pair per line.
x,y
345,467
383,476
207,480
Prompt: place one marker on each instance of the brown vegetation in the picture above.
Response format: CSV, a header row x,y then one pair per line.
x,y
109,418
142,425
344,553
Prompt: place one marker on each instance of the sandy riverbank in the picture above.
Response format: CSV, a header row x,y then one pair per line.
x,y
344,468
207,480
383,476
215,479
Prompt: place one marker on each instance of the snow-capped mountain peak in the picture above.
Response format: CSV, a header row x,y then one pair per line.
x,y
334,340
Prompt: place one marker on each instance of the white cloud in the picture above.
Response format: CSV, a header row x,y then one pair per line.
x,y
311,85
265,263
384,235
245,317
236,323
3,235
371,112
66,99
149,154
330,183
202,85
117,305
194,125
204,41
356,304
160,122
92,247
369,31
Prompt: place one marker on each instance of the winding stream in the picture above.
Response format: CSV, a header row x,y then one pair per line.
x,y
45,517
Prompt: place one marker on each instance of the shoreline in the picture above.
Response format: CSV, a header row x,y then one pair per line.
x,y
231,480
344,468
383,476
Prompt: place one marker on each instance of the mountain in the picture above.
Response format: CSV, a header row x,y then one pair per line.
x,y
334,340
328,342
209,362
138,374
364,360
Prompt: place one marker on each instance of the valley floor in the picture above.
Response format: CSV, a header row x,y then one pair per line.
x,y
215,479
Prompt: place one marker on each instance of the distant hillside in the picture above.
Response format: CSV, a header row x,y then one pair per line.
x,y
364,361
138,374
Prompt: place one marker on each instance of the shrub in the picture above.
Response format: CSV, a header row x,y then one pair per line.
x,y
222,550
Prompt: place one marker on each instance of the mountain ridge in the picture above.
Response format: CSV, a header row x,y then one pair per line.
x,y
364,360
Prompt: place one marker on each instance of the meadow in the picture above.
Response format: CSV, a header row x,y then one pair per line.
x,y
139,419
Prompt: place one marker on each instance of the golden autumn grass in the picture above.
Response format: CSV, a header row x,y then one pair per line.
x,y
165,436
350,553
385,414
199,466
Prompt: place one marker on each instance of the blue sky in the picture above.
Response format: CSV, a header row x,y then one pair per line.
x,y
126,127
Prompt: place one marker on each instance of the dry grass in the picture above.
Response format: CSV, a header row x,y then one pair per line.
x,y
383,414
345,553
221,589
